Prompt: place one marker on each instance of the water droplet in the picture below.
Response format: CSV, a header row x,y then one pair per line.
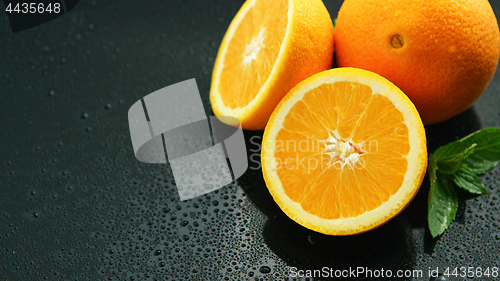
x,y
439,278
51,93
84,115
310,240
157,252
265,269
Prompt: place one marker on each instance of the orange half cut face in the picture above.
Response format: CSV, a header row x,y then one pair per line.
x,y
344,152
269,47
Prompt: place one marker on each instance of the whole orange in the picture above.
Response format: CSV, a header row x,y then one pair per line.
x,y
441,53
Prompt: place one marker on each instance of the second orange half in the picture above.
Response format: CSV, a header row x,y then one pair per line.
x,y
269,47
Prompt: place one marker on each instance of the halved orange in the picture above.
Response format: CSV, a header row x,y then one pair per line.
x,y
269,47
344,152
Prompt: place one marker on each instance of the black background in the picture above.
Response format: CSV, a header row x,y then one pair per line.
x,y
75,204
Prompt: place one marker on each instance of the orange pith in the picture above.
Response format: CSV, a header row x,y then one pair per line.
x,y
340,156
269,47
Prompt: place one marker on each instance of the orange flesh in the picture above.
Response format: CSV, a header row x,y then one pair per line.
x,y
238,77
367,121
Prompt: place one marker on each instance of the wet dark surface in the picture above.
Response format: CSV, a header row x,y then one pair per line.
x,y
76,205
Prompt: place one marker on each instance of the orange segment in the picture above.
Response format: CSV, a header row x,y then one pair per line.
x,y
344,152
269,47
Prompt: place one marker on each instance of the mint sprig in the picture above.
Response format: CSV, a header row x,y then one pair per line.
x,y
459,162
443,201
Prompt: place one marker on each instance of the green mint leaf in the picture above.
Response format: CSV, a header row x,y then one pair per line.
x,y
442,202
486,154
466,179
480,165
460,161
432,167
450,156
